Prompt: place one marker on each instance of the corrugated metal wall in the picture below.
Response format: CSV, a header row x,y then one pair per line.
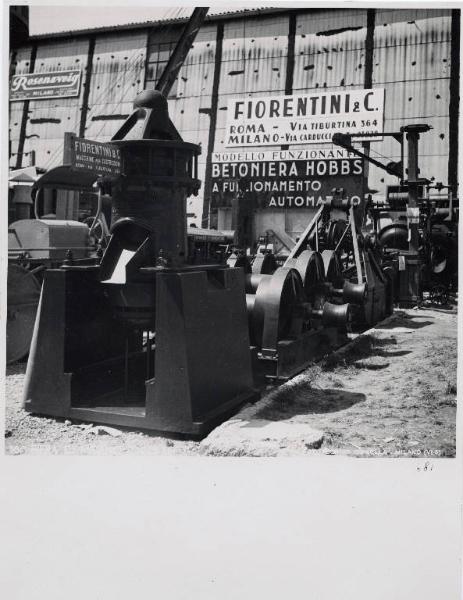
x,y
326,60
411,59
118,75
49,119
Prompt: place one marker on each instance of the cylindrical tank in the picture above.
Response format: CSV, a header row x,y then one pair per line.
x,y
159,172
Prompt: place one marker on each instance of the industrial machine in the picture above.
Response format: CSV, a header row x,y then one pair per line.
x,y
146,335
355,273
33,246
170,328
437,236
415,230
142,337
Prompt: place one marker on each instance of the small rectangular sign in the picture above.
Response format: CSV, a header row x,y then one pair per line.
x,y
40,86
86,155
303,119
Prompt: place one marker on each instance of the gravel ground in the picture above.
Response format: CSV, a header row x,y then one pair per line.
x,y
31,434
391,392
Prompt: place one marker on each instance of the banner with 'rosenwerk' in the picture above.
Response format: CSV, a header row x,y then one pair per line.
x,y
41,86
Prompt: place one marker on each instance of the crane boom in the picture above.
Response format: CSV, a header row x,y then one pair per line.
x,y
181,50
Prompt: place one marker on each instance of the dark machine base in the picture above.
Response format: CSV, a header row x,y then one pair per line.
x,y
134,417
293,356
84,365
410,293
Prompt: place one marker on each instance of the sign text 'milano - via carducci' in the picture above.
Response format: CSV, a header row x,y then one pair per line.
x,y
310,118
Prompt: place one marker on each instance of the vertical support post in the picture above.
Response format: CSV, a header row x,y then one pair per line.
x,y
25,115
413,176
87,84
212,126
290,57
368,73
358,264
410,277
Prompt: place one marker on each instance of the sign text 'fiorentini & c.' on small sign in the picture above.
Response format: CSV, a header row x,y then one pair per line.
x,y
41,86
100,158
310,118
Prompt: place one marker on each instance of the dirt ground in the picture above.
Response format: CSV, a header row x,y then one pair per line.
x,y
390,392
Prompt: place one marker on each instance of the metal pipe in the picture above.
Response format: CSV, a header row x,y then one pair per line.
x,y
148,355
46,248
36,203
341,238
98,211
358,265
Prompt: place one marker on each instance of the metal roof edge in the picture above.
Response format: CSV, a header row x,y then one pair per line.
x,y
154,23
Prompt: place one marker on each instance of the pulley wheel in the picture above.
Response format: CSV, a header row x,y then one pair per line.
x,y
252,282
264,264
394,235
337,315
23,295
310,267
333,270
277,308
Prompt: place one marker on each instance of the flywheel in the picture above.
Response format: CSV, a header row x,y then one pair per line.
x,y
277,309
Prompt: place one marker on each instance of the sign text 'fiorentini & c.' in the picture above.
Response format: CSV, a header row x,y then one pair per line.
x,y
303,119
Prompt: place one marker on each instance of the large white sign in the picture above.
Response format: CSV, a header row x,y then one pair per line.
x,y
303,119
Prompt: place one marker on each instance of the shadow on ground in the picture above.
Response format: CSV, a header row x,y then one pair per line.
x,y
401,319
311,401
361,353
